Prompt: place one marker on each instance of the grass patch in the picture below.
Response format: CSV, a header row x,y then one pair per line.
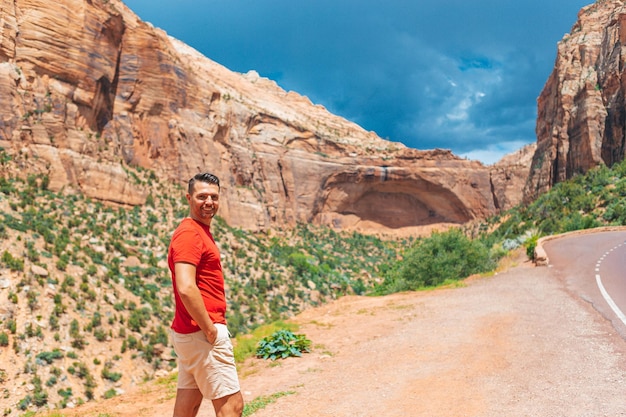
x,y
401,306
322,325
169,382
261,402
322,349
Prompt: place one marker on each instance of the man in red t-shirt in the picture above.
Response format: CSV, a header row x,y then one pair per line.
x,y
206,363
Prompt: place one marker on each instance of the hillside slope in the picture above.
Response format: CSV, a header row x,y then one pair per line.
x,y
86,297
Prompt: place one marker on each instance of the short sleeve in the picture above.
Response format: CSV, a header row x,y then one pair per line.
x,y
186,246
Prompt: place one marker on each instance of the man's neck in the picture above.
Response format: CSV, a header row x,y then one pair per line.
x,y
205,222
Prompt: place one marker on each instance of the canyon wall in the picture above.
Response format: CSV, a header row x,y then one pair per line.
x,y
89,90
582,108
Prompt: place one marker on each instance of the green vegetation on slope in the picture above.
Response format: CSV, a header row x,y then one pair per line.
x,y
586,201
87,291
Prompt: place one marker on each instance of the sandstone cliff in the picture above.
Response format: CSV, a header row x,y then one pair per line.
x,y
88,89
581,110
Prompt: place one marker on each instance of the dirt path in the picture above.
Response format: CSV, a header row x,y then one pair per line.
x,y
515,344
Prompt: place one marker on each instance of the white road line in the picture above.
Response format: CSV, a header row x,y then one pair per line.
x,y
609,300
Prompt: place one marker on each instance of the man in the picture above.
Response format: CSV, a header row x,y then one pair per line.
x,y
206,363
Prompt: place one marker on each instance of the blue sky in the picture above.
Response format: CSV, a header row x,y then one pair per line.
x,y
453,74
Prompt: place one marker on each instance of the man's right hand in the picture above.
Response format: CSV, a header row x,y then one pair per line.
x,y
211,335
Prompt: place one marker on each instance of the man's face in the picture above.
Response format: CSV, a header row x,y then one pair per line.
x,y
203,202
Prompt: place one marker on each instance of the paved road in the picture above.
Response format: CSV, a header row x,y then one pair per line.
x,y
593,267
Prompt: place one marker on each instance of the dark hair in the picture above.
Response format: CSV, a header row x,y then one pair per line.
x,y
203,177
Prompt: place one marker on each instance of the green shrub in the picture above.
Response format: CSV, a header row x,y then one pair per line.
x,y
138,319
11,325
110,393
24,402
615,212
282,344
65,393
530,244
40,397
578,221
441,258
111,376
49,357
100,335
52,381
14,264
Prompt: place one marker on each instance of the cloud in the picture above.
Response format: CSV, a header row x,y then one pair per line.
x,y
493,152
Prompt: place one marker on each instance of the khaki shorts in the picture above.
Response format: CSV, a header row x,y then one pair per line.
x,y
201,365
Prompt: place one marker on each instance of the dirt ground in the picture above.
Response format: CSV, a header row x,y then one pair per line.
x,y
513,344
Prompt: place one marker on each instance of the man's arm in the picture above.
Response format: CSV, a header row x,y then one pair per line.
x,y
192,299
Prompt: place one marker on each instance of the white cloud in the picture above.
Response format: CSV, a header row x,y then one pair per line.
x,y
492,153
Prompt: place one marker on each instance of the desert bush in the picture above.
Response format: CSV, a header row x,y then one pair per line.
x,y
110,393
52,381
49,357
132,342
24,402
40,395
11,325
578,221
4,339
78,342
440,258
74,328
111,376
31,253
615,212
100,335
14,264
65,394
138,319
33,300
12,297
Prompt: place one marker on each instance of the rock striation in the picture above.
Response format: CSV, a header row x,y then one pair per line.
x,y
89,90
582,108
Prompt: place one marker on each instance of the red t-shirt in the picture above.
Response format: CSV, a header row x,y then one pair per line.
x,y
193,243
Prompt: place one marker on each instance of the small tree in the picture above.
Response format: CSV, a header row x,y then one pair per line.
x,y
442,257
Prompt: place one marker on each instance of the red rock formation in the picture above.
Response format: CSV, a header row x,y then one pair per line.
x,y
88,89
509,175
581,110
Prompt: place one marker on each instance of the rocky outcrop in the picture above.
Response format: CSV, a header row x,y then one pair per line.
x,y
582,108
509,176
89,90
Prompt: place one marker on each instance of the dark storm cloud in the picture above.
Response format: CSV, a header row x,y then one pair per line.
x,y
431,74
